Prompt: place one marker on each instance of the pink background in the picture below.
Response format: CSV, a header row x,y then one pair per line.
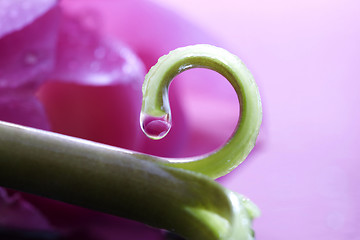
x,y
305,57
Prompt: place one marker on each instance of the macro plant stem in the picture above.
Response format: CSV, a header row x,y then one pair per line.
x,y
115,181
160,192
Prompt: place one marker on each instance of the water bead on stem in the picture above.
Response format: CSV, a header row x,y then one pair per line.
x,y
155,127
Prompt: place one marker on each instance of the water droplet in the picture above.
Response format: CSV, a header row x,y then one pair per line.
x,y
30,59
155,127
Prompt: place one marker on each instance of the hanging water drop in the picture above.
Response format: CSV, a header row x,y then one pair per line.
x,y
155,127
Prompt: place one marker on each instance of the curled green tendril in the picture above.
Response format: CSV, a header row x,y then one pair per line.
x,y
124,183
156,104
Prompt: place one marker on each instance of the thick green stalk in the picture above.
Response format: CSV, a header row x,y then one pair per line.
x,y
156,104
115,181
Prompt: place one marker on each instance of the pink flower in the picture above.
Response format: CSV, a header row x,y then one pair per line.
x,y
77,68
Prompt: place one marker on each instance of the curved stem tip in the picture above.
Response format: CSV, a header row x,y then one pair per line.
x,y
155,117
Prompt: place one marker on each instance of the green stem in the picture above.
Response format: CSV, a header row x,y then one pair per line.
x,y
115,181
156,104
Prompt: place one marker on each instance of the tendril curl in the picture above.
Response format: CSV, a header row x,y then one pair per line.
x,y
156,105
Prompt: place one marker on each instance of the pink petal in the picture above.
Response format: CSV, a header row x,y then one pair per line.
x,y
148,28
153,31
107,114
23,108
27,56
85,57
16,14
85,60
81,223
17,213
96,86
